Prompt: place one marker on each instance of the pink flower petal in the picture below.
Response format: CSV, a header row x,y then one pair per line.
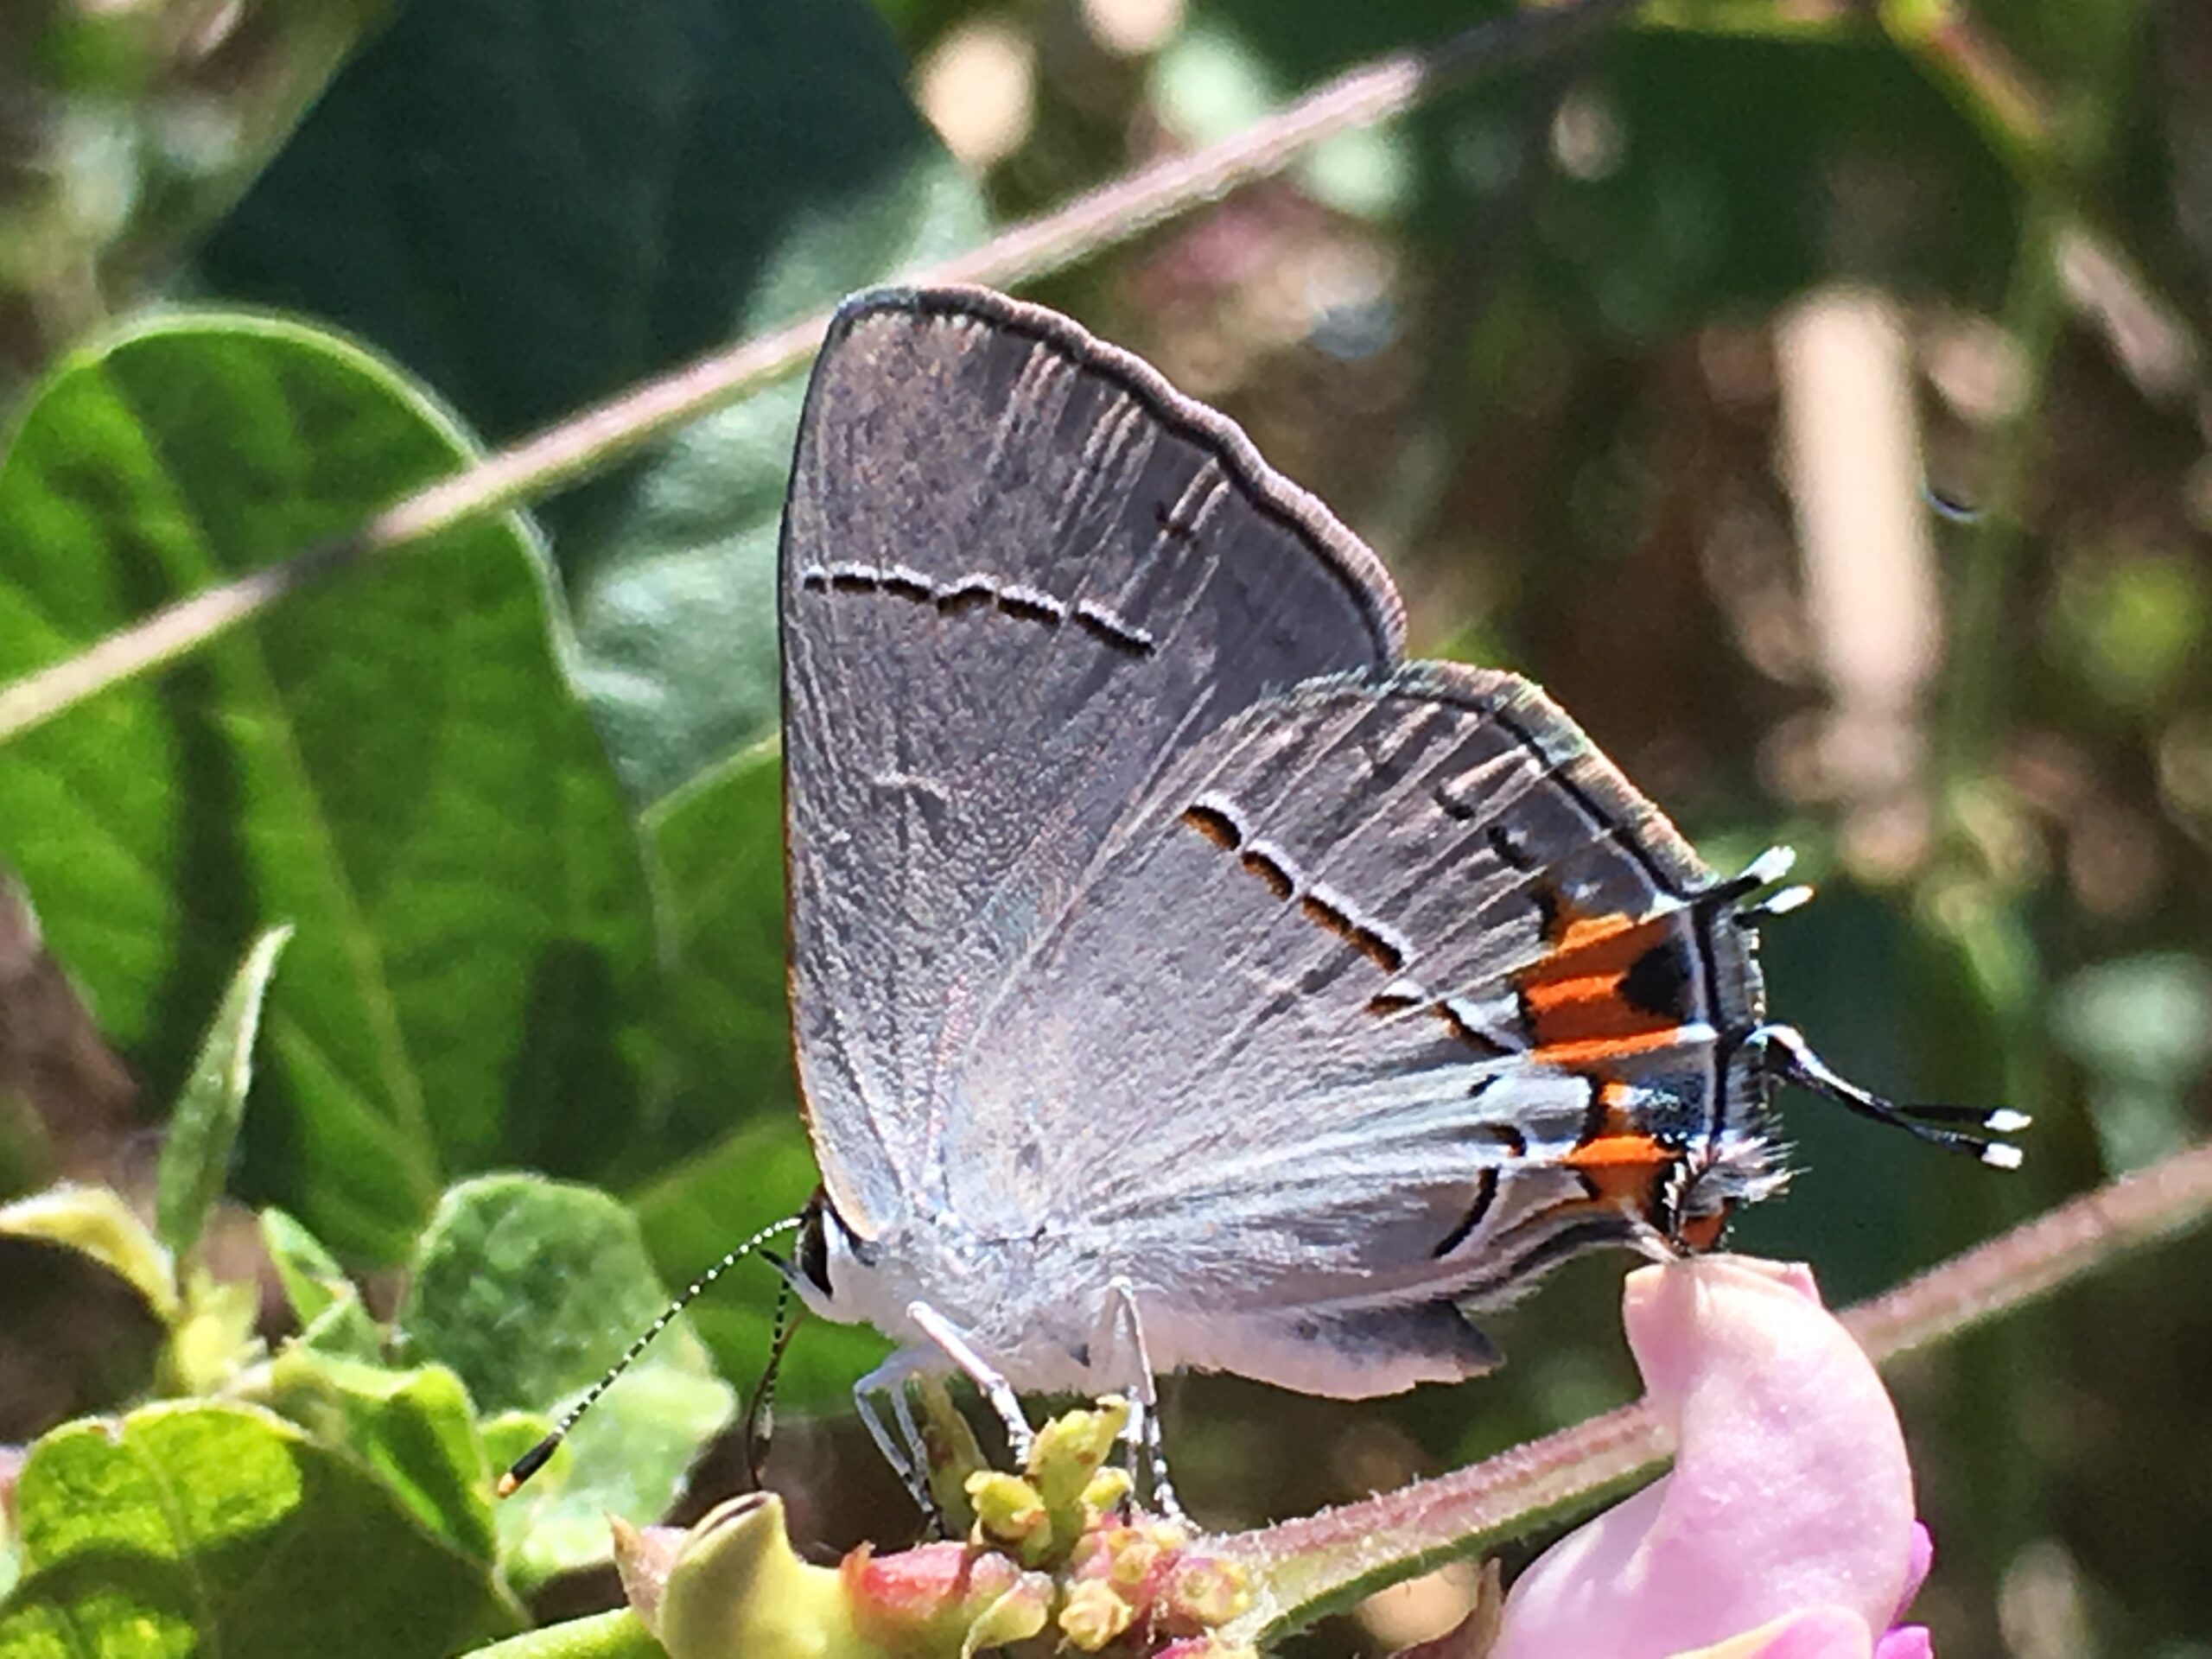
x,y
1790,1491
1906,1641
1823,1633
1917,1561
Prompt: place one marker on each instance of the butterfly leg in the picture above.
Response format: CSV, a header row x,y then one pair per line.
x,y
1020,1438
910,1459
1141,1434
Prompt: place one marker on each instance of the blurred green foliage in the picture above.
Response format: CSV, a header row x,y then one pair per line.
x,y
1538,341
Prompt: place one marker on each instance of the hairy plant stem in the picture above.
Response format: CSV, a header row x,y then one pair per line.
x,y
564,454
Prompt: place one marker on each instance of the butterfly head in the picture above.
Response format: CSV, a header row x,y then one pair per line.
x,y
827,1255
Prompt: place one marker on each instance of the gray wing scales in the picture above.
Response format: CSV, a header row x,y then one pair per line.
x,y
1019,576
1282,1043
1351,1354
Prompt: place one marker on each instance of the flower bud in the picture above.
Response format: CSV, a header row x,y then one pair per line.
x,y
1009,1511
1092,1615
1071,1448
1206,1593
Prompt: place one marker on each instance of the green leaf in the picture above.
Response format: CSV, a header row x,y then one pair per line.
x,y
718,852
344,1328
196,1161
529,1290
95,1222
222,1530
1694,175
414,1428
535,216
309,1273
396,765
332,1318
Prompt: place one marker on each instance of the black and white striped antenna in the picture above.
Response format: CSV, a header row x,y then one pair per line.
x,y
534,1459
760,1419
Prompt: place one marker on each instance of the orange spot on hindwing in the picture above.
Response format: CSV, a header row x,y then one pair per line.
x,y
1608,989
1623,1168
1700,1232
1620,1161
1609,986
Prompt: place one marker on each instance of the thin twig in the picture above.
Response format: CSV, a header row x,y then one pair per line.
x,y
2038,1256
1322,1562
600,436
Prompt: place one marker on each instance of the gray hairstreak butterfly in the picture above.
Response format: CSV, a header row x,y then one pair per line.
x,y
1181,977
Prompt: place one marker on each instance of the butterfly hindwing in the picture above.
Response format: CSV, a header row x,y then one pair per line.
x,y
1339,1022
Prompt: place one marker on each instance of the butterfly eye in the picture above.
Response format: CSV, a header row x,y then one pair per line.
x,y
811,1255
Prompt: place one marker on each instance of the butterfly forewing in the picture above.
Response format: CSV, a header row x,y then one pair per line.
x,y
1019,577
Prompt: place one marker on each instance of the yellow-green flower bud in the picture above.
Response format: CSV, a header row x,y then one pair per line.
x,y
1093,1615
1009,1512
1208,1592
1108,1490
1133,1559
1071,1448
1166,1536
736,1588
952,1452
1021,1612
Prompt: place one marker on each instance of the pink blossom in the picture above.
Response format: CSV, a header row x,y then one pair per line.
x,y
1785,1529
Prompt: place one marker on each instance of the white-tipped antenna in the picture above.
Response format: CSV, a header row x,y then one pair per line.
x,y
1769,867
1782,901
534,1459
1960,1128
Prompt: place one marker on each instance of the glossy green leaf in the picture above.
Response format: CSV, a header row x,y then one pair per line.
x,y
203,1529
195,1160
529,1290
717,853
717,847
394,763
535,209
415,1429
